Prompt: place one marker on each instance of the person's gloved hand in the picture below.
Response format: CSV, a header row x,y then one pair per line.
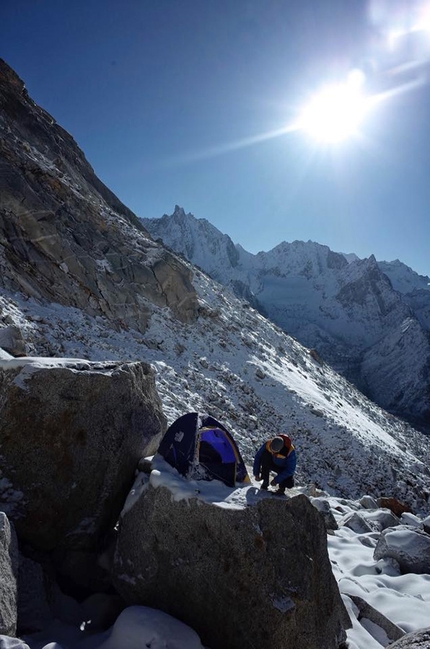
x,y
258,477
273,482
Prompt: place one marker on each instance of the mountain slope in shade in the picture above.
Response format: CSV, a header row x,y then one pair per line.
x,y
370,320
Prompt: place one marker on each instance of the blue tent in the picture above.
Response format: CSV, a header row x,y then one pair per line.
x,y
198,446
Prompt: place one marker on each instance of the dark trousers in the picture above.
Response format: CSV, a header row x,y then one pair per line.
x,y
268,465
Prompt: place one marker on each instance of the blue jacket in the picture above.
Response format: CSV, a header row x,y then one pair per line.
x,y
285,465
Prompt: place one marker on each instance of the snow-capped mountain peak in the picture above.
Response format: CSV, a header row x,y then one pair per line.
x,y
343,307
196,239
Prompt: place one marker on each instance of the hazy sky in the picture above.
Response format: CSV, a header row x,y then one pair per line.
x,y
160,94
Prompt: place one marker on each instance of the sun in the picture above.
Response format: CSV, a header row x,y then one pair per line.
x,y
336,112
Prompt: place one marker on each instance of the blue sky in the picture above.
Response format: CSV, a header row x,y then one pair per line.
x,y
150,89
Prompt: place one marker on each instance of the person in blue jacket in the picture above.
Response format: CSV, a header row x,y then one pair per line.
x,y
278,455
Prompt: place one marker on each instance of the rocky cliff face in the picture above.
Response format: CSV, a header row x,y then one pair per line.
x,y
64,236
369,320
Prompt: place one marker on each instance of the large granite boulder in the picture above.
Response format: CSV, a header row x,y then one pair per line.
x,y
251,576
72,433
414,640
8,577
323,506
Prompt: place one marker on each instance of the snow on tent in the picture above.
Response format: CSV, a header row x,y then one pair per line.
x,y
200,447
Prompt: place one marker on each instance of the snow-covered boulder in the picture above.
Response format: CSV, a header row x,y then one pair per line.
x,y
367,613
415,640
8,577
140,626
381,519
72,434
413,521
368,502
323,506
409,546
356,522
6,642
11,341
255,574
369,520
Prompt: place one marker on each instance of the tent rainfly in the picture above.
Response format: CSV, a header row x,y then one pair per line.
x,y
199,447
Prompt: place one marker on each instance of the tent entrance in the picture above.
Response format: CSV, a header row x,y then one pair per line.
x,y
216,453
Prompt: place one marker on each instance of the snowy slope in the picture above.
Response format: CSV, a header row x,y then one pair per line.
x,y
403,278
343,308
244,370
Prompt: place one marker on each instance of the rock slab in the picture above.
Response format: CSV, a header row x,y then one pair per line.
x,y
71,437
253,577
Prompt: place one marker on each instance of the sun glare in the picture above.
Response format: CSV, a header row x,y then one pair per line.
x,y
423,21
336,112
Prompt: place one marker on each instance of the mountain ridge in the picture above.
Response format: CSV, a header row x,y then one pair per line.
x,y
59,224
345,309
